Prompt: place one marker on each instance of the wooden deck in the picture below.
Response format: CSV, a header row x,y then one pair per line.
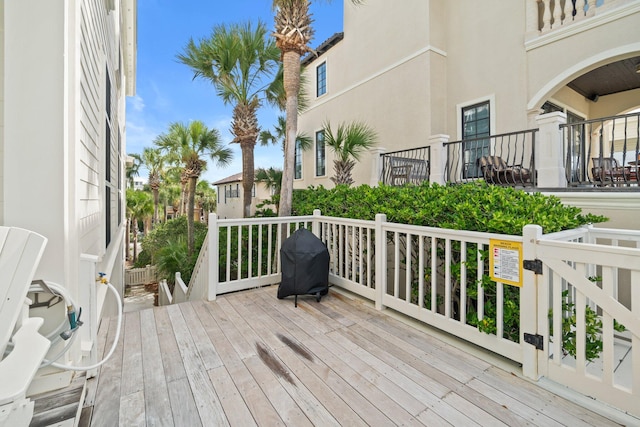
x,y
251,359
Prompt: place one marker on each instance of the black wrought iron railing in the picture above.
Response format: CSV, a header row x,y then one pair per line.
x,y
406,166
602,152
505,159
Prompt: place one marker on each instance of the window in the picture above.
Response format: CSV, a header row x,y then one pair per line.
x,y
475,124
298,162
320,154
321,79
109,124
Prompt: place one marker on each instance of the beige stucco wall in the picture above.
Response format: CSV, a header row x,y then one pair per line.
x,y
232,207
408,71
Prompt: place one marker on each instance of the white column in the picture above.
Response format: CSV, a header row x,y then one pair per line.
x,y
438,158
376,170
548,151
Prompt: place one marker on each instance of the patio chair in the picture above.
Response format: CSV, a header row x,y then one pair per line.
x,y
408,170
606,171
495,170
20,252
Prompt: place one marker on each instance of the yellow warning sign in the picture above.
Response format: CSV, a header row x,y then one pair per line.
x,y
505,261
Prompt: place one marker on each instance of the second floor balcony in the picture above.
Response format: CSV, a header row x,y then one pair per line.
x,y
600,154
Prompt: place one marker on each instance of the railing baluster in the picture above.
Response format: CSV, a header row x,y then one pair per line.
x,y
396,265
447,278
408,269
480,289
434,278
421,271
463,283
546,15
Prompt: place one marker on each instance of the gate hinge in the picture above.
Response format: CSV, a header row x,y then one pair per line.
x,y
535,340
534,265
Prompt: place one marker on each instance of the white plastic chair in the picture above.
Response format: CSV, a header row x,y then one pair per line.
x,y
20,253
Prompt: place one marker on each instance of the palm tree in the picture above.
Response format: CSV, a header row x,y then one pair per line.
x,y
347,144
189,143
303,141
206,198
238,60
133,168
293,32
139,207
153,160
271,178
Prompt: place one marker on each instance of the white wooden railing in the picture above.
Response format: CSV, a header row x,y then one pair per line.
x,y
441,277
140,276
598,272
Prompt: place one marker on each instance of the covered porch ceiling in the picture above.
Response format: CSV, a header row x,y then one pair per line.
x,y
619,76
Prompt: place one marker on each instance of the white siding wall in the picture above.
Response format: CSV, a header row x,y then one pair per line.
x,y
53,163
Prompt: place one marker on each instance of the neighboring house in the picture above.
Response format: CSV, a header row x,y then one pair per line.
x,y
230,196
139,183
454,70
67,68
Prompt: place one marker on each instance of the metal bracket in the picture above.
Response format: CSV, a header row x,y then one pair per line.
x,y
534,265
535,340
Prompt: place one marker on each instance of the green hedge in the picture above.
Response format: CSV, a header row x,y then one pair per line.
x,y
472,206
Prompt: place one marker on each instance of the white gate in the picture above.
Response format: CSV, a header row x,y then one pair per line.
x,y
589,312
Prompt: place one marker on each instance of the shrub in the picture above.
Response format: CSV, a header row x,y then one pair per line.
x,y
163,247
472,206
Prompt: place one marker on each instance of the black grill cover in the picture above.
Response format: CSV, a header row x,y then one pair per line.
x,y
305,265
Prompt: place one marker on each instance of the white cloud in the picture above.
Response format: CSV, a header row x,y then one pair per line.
x,y
136,103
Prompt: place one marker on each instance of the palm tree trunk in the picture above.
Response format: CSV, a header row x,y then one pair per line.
x,y
291,65
135,239
190,208
156,202
128,239
248,176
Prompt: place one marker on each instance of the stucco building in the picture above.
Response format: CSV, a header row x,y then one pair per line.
x,y
436,70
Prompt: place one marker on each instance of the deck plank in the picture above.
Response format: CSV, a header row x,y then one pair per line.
x,y
251,359
183,406
256,401
207,401
157,403
171,358
132,379
107,401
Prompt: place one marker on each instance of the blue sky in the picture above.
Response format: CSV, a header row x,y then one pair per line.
x,y
165,89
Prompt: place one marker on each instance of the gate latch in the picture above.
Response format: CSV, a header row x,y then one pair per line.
x,y
535,340
534,265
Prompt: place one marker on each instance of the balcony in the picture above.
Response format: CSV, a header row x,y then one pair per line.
x,y
599,155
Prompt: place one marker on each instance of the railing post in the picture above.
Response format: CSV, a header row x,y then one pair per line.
x,y
214,258
549,151
376,170
315,225
381,260
529,320
437,158
90,316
